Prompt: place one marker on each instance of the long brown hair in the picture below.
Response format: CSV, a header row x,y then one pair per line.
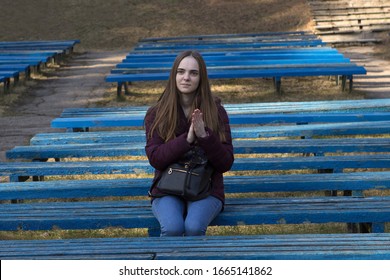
x,y
167,106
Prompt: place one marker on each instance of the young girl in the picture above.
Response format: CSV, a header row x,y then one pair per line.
x,y
188,115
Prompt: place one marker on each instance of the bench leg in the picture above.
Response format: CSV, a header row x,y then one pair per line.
x,y
125,86
79,129
119,89
278,85
343,82
7,84
350,84
358,227
15,178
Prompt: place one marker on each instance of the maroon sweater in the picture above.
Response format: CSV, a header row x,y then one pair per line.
x,y
161,154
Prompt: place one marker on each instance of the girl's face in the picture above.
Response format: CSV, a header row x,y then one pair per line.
x,y
187,75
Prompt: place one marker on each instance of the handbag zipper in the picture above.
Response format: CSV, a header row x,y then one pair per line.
x,y
170,171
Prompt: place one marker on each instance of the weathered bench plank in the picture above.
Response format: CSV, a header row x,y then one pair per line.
x,y
280,52
143,166
310,246
128,68
239,56
366,105
355,181
242,211
318,146
138,119
132,136
258,73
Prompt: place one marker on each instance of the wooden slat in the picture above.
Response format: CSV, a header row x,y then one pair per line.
x,y
326,246
235,119
356,181
308,130
138,214
366,105
259,73
143,166
319,146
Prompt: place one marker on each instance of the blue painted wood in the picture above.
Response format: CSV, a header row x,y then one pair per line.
x,y
250,56
355,181
39,43
9,74
143,166
138,119
365,105
241,211
42,59
15,67
235,46
258,73
304,247
320,146
16,63
308,51
237,64
134,136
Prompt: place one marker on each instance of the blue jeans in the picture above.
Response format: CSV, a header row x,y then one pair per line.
x,y
178,217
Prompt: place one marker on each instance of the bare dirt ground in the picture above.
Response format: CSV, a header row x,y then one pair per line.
x,y
109,29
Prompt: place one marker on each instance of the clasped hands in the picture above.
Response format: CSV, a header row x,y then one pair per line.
x,y
197,128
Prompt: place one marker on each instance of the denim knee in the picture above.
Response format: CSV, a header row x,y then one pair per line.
x,y
195,228
172,230
169,212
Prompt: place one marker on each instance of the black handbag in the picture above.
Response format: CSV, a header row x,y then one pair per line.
x,y
189,178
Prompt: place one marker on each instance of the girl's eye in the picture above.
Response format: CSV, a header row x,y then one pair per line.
x,y
194,74
180,71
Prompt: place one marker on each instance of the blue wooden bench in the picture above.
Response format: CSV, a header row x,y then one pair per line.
x,y
37,56
26,69
67,46
128,68
28,56
259,247
318,146
92,214
237,56
307,131
346,71
95,144
84,123
225,46
239,211
308,51
335,106
22,58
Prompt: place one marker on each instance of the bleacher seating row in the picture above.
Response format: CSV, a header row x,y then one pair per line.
x,y
262,55
349,155
356,16
26,57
